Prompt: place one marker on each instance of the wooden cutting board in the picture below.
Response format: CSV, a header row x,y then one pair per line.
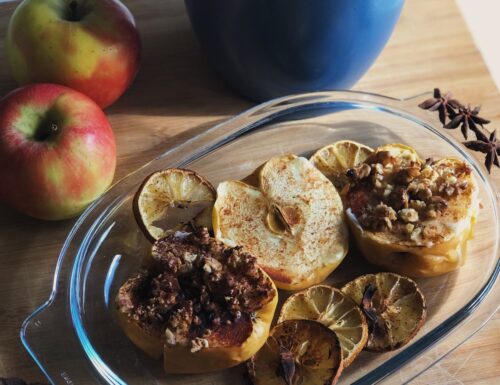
x,y
176,96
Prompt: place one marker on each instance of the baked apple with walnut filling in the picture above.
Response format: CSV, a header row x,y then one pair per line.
x,y
200,304
411,216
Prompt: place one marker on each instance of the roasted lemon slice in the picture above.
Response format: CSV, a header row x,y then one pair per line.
x,y
170,199
335,159
332,308
298,352
393,305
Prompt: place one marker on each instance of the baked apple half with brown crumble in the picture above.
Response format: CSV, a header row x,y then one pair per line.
x,y
201,305
412,216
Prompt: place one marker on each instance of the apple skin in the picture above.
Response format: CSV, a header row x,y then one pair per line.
x,y
97,55
57,151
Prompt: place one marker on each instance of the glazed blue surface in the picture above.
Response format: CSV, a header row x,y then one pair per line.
x,y
270,48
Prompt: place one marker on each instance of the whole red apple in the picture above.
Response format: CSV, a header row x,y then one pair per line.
x,y
91,46
57,151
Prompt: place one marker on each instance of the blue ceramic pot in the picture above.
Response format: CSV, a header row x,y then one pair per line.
x,y
269,48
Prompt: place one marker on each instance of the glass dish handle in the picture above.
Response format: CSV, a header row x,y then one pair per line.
x,y
56,350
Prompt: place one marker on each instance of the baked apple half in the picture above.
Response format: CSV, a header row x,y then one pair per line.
x,y
411,216
291,219
199,304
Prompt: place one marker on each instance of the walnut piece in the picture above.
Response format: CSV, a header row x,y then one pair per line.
x,y
399,198
439,201
409,227
384,211
198,343
379,169
417,204
416,234
362,171
431,214
408,215
379,217
406,175
170,337
425,193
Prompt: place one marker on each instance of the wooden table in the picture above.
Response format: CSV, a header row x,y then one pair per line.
x,y
176,96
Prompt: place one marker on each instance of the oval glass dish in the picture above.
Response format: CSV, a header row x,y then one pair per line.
x,y
74,336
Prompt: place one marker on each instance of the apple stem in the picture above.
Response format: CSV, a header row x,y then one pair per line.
x,y
46,132
73,5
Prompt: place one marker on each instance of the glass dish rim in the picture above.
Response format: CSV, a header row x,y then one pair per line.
x,y
246,122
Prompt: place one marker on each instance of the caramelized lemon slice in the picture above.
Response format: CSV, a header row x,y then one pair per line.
x,y
394,307
332,308
298,352
335,159
170,199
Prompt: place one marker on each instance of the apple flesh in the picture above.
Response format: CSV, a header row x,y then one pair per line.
x,y
57,151
91,46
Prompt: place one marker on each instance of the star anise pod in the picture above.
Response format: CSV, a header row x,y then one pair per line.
x,y
489,146
286,366
444,104
468,119
367,305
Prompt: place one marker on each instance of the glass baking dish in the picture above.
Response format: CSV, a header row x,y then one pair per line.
x,y
74,337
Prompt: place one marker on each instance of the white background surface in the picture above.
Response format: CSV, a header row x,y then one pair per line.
x,y
483,19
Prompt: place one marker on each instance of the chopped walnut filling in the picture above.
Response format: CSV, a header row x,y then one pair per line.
x,y
195,285
388,193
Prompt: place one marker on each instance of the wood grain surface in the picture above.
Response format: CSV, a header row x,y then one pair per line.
x,y
176,96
